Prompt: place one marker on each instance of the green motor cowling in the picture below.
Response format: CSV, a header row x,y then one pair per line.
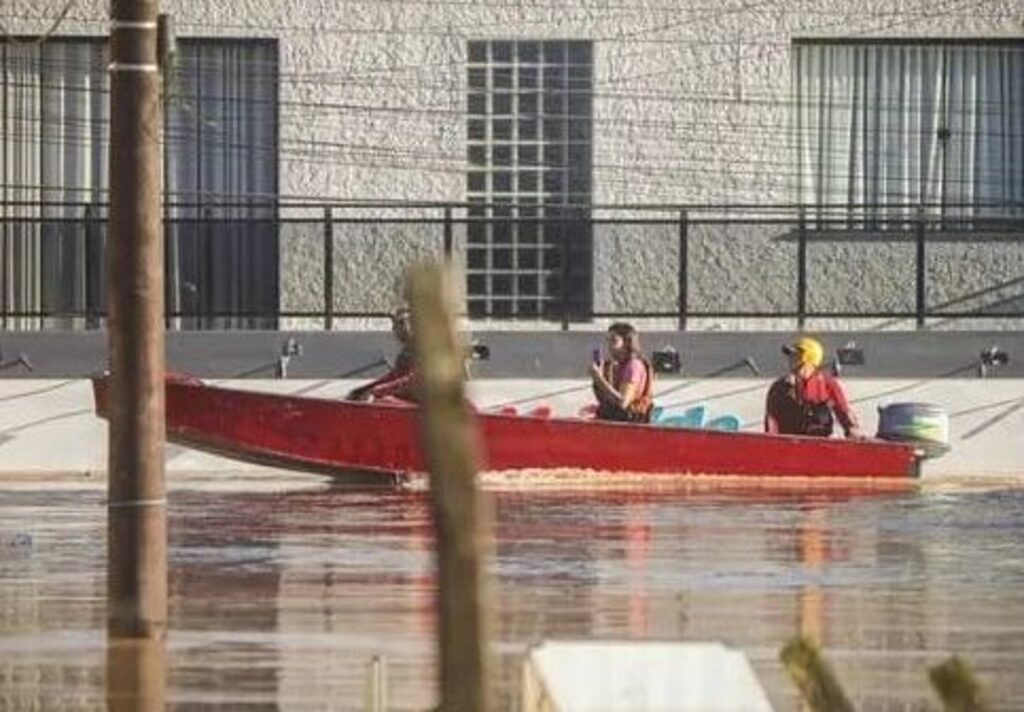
x,y
924,425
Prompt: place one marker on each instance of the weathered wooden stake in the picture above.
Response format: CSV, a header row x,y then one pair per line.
x,y
957,687
136,675
461,518
136,513
813,677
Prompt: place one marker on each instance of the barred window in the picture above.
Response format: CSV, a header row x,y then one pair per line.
x,y
220,150
898,123
529,168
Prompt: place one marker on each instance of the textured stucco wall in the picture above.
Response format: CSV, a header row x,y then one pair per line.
x,y
692,105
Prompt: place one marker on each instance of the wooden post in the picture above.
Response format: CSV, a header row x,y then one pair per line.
x,y
813,677
136,514
461,519
957,687
136,675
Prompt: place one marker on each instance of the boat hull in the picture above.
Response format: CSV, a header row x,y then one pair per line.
x,y
332,436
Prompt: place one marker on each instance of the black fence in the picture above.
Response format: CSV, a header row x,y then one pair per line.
x,y
252,266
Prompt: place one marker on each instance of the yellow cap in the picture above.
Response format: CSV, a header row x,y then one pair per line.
x,y
809,351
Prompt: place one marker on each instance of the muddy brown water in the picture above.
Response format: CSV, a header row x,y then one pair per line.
x,y
282,590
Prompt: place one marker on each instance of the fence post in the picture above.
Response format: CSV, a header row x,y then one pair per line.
x,y
447,233
328,268
684,257
801,270
91,276
564,267
920,306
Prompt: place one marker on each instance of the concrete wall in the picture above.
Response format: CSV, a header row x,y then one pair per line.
x,y
524,355
692,105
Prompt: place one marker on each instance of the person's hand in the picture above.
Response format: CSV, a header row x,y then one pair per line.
x,y
855,433
595,371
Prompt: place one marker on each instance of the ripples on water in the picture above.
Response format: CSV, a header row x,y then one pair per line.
x,y
280,598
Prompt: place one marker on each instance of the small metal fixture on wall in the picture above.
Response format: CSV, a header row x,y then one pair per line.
x,y
20,360
290,348
479,351
990,358
847,355
666,360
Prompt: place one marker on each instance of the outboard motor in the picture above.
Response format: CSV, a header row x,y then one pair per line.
x,y
924,425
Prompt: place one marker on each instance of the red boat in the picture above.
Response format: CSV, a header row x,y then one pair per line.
x,y
338,437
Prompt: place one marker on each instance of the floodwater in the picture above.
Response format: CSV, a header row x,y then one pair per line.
x,y
281,595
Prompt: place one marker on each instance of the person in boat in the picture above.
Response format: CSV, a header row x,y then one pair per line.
x,y
397,383
623,382
808,400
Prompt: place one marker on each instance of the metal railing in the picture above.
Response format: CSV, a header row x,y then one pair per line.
x,y
246,266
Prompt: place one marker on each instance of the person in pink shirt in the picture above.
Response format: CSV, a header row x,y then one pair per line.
x,y
623,383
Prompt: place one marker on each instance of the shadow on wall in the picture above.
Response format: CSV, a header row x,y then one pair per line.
x,y
36,392
9,434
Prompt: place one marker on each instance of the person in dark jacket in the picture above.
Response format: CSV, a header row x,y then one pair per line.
x,y
397,383
808,401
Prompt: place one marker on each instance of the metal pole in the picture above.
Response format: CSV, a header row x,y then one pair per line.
x,y
801,271
920,306
92,273
684,266
137,517
448,233
564,266
328,268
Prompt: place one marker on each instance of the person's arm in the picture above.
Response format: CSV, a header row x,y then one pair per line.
x,y
603,390
382,386
841,406
396,385
632,374
365,391
771,419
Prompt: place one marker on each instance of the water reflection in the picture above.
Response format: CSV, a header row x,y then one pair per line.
x,y
279,600
136,676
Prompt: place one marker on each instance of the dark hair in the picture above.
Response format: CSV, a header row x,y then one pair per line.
x,y
628,334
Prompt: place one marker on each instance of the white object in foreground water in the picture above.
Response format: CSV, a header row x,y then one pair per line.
x,y
585,676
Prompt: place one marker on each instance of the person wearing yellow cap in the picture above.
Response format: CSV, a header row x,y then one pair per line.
x,y
804,401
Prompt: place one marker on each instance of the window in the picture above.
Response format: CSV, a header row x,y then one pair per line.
x,y
530,129
887,123
220,151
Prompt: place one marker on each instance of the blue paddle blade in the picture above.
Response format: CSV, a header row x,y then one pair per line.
x,y
724,422
692,418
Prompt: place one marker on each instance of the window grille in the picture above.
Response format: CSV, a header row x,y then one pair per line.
x,y
530,132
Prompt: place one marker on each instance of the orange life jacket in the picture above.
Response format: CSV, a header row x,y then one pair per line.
x,y
639,411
